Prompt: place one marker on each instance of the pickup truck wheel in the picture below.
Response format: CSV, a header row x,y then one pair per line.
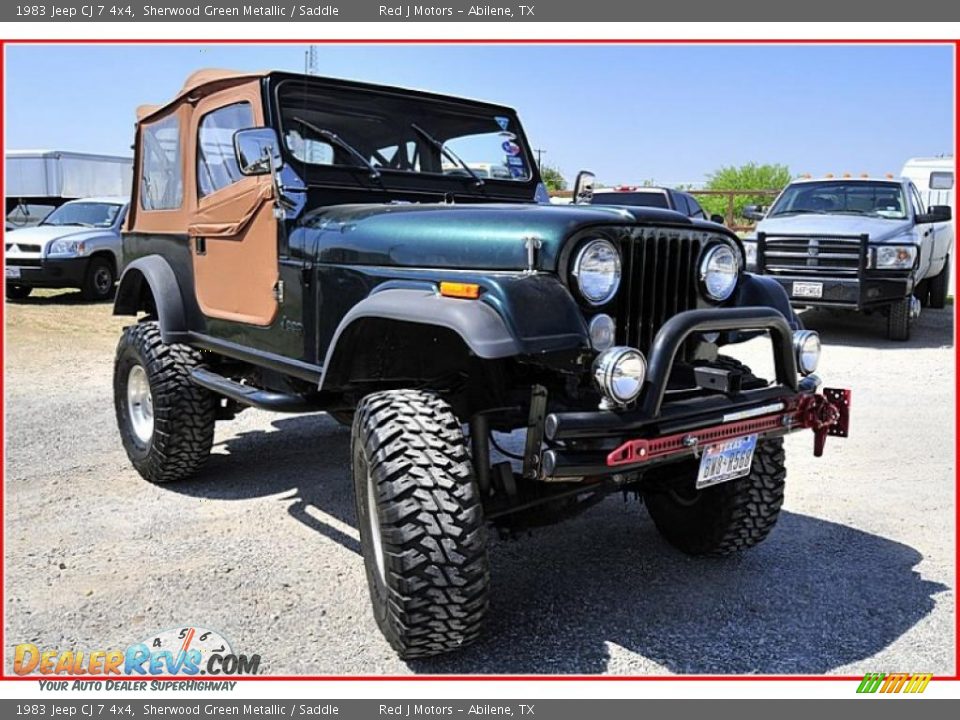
x,y
726,518
17,292
939,286
98,281
166,421
421,522
899,320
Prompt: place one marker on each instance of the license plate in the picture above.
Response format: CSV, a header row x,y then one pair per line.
x,y
726,460
13,272
808,289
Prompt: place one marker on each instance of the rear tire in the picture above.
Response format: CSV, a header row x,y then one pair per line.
x,y
899,321
166,421
17,292
99,280
726,518
939,286
421,523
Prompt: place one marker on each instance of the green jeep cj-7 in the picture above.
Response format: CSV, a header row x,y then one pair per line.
x,y
301,244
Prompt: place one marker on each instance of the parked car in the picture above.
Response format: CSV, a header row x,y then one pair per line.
x,y
657,197
870,245
75,246
304,249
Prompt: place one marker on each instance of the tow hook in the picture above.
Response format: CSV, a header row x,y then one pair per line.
x,y
827,414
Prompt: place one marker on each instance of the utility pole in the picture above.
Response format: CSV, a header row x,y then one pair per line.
x,y
540,152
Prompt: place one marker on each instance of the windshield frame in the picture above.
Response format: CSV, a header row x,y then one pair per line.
x,y
892,184
395,179
112,223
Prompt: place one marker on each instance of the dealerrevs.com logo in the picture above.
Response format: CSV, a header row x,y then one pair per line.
x,y
888,683
188,651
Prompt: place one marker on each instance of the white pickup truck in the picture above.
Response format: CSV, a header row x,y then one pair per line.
x,y
870,245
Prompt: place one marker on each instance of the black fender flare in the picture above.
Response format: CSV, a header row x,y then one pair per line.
x,y
480,327
485,328
154,274
765,291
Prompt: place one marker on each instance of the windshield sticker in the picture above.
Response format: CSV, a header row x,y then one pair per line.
x,y
510,147
515,161
503,122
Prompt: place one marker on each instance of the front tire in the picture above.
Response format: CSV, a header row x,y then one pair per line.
x,y
18,292
939,286
421,523
899,320
726,518
166,421
98,280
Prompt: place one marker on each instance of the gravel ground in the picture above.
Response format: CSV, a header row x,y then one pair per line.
x,y
858,576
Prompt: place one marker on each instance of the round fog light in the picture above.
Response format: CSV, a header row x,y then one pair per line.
x,y
806,345
602,330
619,373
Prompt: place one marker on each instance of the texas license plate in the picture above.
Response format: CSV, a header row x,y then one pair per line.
x,y
726,460
808,289
13,272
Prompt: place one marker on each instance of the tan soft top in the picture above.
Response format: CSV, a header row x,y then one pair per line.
x,y
200,83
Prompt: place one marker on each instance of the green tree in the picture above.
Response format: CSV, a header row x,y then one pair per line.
x,y
553,178
746,177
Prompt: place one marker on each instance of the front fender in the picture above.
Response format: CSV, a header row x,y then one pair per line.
x,y
517,314
765,291
149,284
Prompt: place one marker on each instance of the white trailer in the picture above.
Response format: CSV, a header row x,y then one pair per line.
x,y
37,181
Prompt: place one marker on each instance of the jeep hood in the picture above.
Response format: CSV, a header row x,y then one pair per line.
x,y
481,236
877,228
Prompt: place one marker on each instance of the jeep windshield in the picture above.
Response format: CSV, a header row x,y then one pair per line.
x,y
84,214
392,131
874,199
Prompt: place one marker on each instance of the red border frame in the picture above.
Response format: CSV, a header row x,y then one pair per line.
x,y
492,41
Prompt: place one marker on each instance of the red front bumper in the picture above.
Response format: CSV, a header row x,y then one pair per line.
x,y
826,414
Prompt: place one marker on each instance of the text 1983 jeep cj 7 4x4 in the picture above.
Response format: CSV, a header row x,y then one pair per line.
x,y
302,244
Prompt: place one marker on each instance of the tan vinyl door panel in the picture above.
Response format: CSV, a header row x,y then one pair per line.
x,y
237,274
237,270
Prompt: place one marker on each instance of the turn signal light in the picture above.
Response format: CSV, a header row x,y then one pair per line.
x,y
467,291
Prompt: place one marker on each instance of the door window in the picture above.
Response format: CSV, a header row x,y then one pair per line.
x,y
216,161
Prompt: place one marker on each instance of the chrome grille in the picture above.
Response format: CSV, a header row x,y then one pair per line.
x,y
659,280
813,256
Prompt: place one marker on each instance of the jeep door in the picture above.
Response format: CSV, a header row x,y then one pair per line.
x,y
232,228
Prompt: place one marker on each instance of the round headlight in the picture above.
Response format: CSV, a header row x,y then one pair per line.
x,y
602,332
619,373
719,270
597,270
806,345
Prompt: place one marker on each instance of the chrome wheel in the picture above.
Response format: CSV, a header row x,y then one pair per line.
x,y
373,527
140,404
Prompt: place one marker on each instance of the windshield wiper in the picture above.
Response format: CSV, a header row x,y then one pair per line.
x,y
451,155
70,224
340,142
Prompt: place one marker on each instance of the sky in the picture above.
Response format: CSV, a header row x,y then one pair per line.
x,y
671,114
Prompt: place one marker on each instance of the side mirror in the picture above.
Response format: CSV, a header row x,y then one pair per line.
x,y
583,188
935,214
718,219
754,212
257,151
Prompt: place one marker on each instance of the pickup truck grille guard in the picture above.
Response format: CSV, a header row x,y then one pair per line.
x,y
813,256
667,430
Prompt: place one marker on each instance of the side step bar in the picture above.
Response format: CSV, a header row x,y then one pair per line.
x,y
262,399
